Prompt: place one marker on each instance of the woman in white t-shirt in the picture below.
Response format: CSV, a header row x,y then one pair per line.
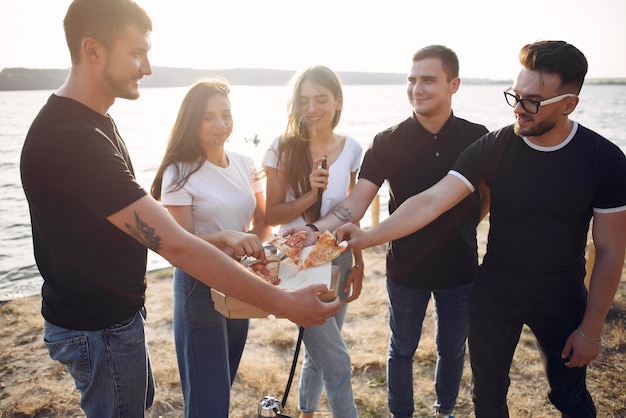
x,y
215,194
299,191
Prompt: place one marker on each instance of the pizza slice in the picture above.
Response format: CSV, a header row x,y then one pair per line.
x,y
325,249
267,270
291,245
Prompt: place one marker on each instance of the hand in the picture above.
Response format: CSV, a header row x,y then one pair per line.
x,y
578,351
318,177
240,244
356,237
311,236
305,307
354,281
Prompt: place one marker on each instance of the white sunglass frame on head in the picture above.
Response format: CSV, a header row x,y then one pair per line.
x,y
507,93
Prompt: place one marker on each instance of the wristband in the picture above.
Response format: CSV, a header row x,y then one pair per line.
x,y
582,334
313,227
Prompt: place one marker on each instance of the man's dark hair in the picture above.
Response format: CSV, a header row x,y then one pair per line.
x,y
102,20
448,58
556,57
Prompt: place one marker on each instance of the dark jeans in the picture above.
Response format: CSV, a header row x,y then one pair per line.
x,y
407,309
499,307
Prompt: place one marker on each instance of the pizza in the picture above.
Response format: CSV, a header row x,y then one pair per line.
x,y
291,245
267,270
324,250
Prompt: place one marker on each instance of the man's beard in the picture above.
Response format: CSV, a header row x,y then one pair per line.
x,y
119,88
537,129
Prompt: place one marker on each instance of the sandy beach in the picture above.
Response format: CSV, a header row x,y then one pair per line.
x,y
32,385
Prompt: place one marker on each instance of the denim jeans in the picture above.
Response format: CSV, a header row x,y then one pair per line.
x,y
326,361
208,348
111,367
499,307
407,309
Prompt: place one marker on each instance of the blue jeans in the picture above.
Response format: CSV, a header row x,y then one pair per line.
x,y
407,309
111,367
326,361
208,348
552,305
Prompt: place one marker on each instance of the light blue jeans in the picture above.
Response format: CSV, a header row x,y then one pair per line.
x,y
111,367
208,348
326,361
407,309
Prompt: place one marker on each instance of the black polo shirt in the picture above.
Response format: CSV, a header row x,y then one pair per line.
x,y
444,253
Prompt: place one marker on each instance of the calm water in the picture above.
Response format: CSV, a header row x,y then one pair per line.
x,y
260,111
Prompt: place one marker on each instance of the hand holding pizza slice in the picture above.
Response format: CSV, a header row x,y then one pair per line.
x,y
324,250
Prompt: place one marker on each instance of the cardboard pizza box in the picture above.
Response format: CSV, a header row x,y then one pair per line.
x,y
290,278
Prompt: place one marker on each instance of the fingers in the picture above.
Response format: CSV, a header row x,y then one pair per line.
x,y
292,230
310,310
578,352
319,176
354,283
344,232
248,244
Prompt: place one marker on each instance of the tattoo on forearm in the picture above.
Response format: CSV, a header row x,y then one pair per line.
x,y
144,233
343,213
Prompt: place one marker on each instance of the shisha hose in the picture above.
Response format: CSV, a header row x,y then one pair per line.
x,y
293,365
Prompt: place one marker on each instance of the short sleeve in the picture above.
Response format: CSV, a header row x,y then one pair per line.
x,y
180,197
611,194
271,155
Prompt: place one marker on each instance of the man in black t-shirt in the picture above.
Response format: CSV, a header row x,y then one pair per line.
x,y
92,222
548,177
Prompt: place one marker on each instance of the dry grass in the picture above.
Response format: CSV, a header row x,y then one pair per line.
x,y
32,385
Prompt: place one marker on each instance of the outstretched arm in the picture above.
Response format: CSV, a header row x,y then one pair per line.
x,y
351,209
413,214
150,224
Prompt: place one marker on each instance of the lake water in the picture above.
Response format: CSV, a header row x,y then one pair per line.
x,y
258,111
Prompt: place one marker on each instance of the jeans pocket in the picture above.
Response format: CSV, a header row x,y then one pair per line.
x,y
74,353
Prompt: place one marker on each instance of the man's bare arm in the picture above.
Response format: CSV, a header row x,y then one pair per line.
x,y
412,215
609,237
149,223
352,208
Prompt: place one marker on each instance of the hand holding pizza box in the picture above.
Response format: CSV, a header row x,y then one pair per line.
x,y
301,266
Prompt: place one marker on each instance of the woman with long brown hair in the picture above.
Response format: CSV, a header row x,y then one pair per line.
x,y
300,189
215,194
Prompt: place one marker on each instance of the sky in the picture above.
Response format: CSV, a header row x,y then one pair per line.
x,y
345,35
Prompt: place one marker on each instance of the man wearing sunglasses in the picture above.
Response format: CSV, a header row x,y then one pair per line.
x,y
548,177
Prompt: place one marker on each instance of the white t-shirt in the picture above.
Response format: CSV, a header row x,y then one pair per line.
x,y
221,198
348,161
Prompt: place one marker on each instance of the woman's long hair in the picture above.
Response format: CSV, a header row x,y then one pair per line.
x,y
183,145
293,147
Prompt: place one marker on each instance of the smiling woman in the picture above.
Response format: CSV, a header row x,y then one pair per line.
x,y
216,195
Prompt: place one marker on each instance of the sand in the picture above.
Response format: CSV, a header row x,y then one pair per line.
x,y
31,384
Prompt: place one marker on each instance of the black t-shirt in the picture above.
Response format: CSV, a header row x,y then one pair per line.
x,y
542,199
444,253
76,171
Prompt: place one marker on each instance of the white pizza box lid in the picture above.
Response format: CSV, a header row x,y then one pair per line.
x,y
290,278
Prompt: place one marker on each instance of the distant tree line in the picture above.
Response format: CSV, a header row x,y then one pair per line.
x,y
50,79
